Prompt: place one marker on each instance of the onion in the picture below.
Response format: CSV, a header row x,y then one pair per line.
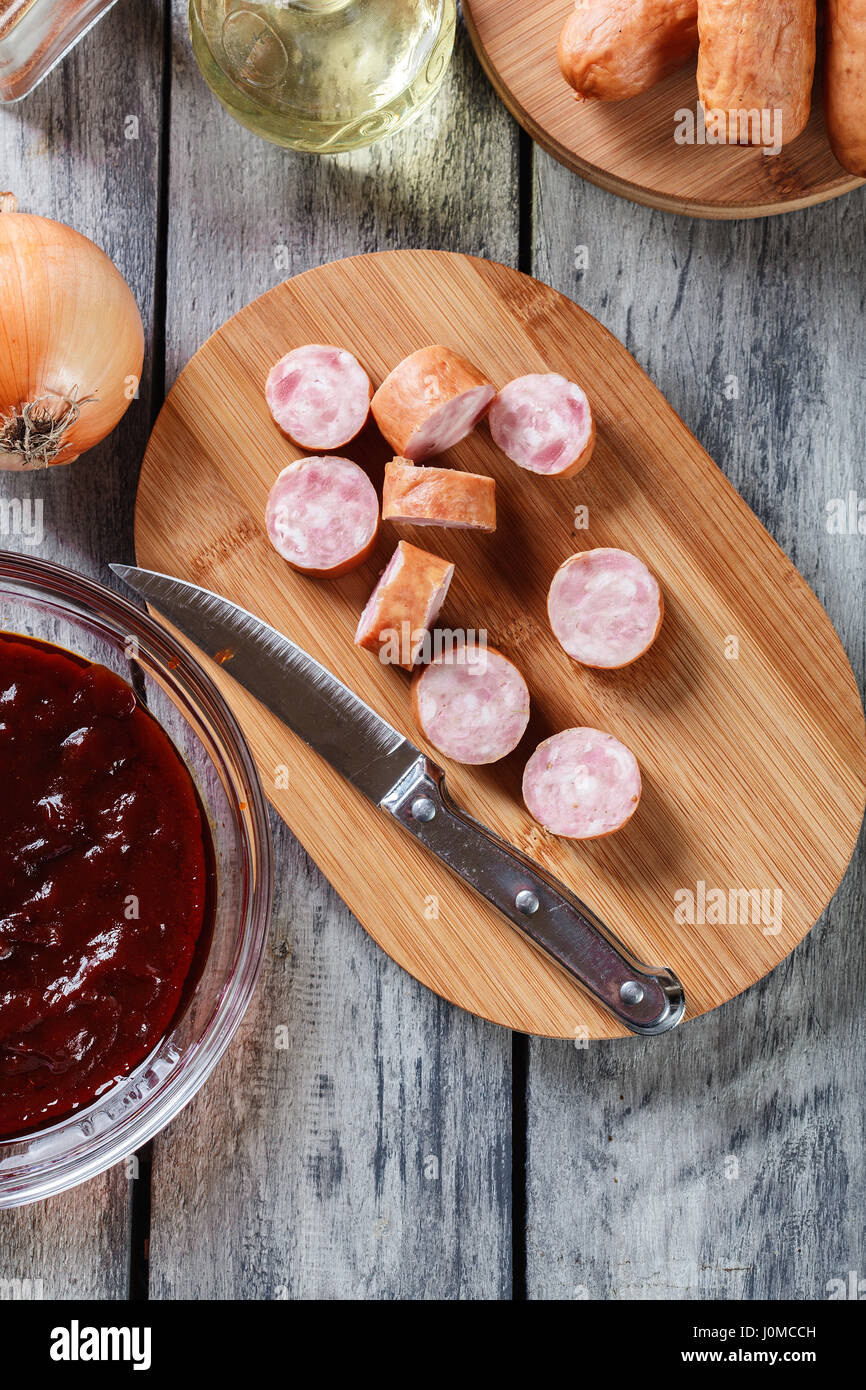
x,y
71,341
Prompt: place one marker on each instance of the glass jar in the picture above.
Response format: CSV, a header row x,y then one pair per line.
x,y
323,75
36,34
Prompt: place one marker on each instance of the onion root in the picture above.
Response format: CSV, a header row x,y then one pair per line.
x,y
34,435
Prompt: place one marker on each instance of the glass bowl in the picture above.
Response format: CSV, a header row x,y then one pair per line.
x,y
55,605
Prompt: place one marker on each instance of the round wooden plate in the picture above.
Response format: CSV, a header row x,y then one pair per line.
x,y
753,764
628,147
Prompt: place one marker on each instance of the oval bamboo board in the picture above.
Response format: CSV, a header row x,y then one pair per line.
x,y
628,147
754,768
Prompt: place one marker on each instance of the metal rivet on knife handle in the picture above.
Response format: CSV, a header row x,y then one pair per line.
x,y
526,902
631,992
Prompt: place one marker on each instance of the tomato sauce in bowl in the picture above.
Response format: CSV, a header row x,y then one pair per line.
x,y
106,869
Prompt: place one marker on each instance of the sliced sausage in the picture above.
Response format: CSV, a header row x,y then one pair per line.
x,y
544,424
845,83
319,396
323,516
756,58
430,402
612,49
605,607
404,605
472,704
438,497
582,784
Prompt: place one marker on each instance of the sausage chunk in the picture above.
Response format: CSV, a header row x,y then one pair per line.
x,y
582,784
404,605
605,608
430,402
319,396
544,424
323,516
472,704
438,497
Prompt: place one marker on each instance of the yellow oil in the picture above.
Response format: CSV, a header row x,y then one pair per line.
x,y
323,75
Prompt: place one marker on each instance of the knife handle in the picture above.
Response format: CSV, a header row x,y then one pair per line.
x,y
644,999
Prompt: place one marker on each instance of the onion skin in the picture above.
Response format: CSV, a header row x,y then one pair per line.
x,y
70,331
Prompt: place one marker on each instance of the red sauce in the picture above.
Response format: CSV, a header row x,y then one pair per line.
x,y
105,861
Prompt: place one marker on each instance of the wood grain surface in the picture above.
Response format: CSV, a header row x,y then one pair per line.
x,y
628,147
752,755
341,1143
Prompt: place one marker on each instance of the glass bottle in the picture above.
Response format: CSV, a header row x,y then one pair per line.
x,y
323,75
36,34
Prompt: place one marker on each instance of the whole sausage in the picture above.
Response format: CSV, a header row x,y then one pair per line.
x,y
605,608
438,497
544,424
621,48
755,67
430,402
845,83
582,784
404,605
323,516
319,396
472,704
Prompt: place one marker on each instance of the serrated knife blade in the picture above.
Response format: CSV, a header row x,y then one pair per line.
x,y
301,692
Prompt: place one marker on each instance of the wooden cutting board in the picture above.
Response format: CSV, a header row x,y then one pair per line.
x,y
628,147
744,716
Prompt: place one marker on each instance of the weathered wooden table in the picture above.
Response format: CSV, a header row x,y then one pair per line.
x,y
398,1148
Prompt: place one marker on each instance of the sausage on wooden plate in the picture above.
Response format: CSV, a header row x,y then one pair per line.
x,y
323,516
613,49
845,83
430,402
582,784
756,59
319,396
544,424
438,497
404,605
472,704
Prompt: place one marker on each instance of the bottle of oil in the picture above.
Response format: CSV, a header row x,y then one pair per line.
x,y
323,75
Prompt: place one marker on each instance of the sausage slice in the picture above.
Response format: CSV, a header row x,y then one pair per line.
x,y
544,424
605,607
582,784
323,516
430,402
472,704
438,497
404,605
612,49
756,58
319,396
845,83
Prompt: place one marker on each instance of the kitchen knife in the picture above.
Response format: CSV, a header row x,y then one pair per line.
x,y
410,787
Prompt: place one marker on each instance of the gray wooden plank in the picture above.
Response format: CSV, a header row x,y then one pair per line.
x,y
726,1160
65,151
355,1141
